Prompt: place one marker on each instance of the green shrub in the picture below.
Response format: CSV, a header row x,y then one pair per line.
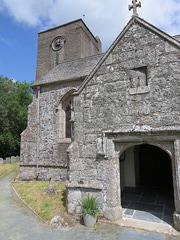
x,y
89,206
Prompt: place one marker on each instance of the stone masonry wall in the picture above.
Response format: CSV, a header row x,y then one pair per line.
x,y
116,100
52,154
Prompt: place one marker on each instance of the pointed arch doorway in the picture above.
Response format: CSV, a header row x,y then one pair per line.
x,y
147,184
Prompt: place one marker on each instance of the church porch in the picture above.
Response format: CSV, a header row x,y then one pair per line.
x,y
154,205
158,208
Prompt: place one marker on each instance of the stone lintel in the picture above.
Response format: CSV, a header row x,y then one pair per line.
x,y
40,166
170,134
139,90
64,140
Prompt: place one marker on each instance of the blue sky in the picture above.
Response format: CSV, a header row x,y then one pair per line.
x,y
18,47
21,20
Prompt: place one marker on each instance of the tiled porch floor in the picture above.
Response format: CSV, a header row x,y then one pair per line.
x,y
148,204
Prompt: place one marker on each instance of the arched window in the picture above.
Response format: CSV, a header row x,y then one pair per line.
x,y
64,118
68,120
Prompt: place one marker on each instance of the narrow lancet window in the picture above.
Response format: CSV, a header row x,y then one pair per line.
x,y
68,120
65,116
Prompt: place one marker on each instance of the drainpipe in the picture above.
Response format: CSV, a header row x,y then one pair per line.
x,y
37,146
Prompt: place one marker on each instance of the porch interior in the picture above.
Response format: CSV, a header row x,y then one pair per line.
x,y
147,185
150,204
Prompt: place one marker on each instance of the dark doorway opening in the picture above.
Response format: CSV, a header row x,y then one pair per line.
x,y
147,184
155,167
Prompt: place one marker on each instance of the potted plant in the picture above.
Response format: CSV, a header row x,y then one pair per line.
x,y
90,210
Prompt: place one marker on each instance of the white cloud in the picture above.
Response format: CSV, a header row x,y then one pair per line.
x,y
7,42
165,14
32,12
105,18
14,80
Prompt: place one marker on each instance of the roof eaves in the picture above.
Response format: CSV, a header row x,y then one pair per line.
x,y
58,81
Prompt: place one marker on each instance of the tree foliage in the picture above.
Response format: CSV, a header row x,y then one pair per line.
x,y
14,99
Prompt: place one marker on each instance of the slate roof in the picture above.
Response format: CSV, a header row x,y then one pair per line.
x,y
71,70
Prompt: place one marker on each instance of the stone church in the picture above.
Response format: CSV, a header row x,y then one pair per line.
x,y
104,122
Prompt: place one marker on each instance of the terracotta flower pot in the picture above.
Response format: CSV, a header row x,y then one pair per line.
x,y
89,220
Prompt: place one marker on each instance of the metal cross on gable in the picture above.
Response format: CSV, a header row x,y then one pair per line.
x,y
134,6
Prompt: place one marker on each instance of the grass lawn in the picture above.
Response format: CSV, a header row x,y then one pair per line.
x,y
8,167
45,205
33,194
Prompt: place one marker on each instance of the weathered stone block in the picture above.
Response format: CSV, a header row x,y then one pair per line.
x,y
177,221
113,213
7,160
74,196
13,159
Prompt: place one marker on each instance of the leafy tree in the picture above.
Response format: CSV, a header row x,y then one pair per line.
x,y
14,99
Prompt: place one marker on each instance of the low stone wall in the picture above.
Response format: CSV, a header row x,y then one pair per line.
x,y
9,160
29,173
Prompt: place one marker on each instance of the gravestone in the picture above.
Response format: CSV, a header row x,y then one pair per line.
x,y
1,160
7,160
51,190
13,159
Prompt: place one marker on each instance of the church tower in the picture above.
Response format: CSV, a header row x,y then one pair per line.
x,y
66,56
64,43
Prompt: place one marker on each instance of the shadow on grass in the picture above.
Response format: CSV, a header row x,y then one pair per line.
x,y
63,199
